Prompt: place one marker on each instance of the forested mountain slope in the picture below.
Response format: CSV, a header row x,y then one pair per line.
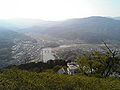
x,y
91,29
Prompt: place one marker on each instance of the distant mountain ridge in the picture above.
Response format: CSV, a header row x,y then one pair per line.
x,y
19,23
92,29
116,18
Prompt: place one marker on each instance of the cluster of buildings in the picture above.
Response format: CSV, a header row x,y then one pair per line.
x,y
72,68
27,48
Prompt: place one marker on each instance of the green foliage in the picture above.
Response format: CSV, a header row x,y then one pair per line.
x,y
5,52
99,64
56,68
13,79
41,66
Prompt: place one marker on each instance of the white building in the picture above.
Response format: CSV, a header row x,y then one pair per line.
x,y
72,68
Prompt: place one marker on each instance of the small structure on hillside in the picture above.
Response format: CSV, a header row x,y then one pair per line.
x,y
72,68
62,71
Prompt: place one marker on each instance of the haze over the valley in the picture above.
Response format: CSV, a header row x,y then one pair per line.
x,y
59,44
31,27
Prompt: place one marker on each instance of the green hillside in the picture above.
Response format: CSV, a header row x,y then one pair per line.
x,y
91,29
7,38
13,79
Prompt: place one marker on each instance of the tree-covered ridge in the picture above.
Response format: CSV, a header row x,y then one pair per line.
x,y
13,79
52,65
99,64
89,30
7,41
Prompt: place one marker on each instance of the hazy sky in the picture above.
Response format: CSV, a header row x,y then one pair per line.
x,y
58,9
